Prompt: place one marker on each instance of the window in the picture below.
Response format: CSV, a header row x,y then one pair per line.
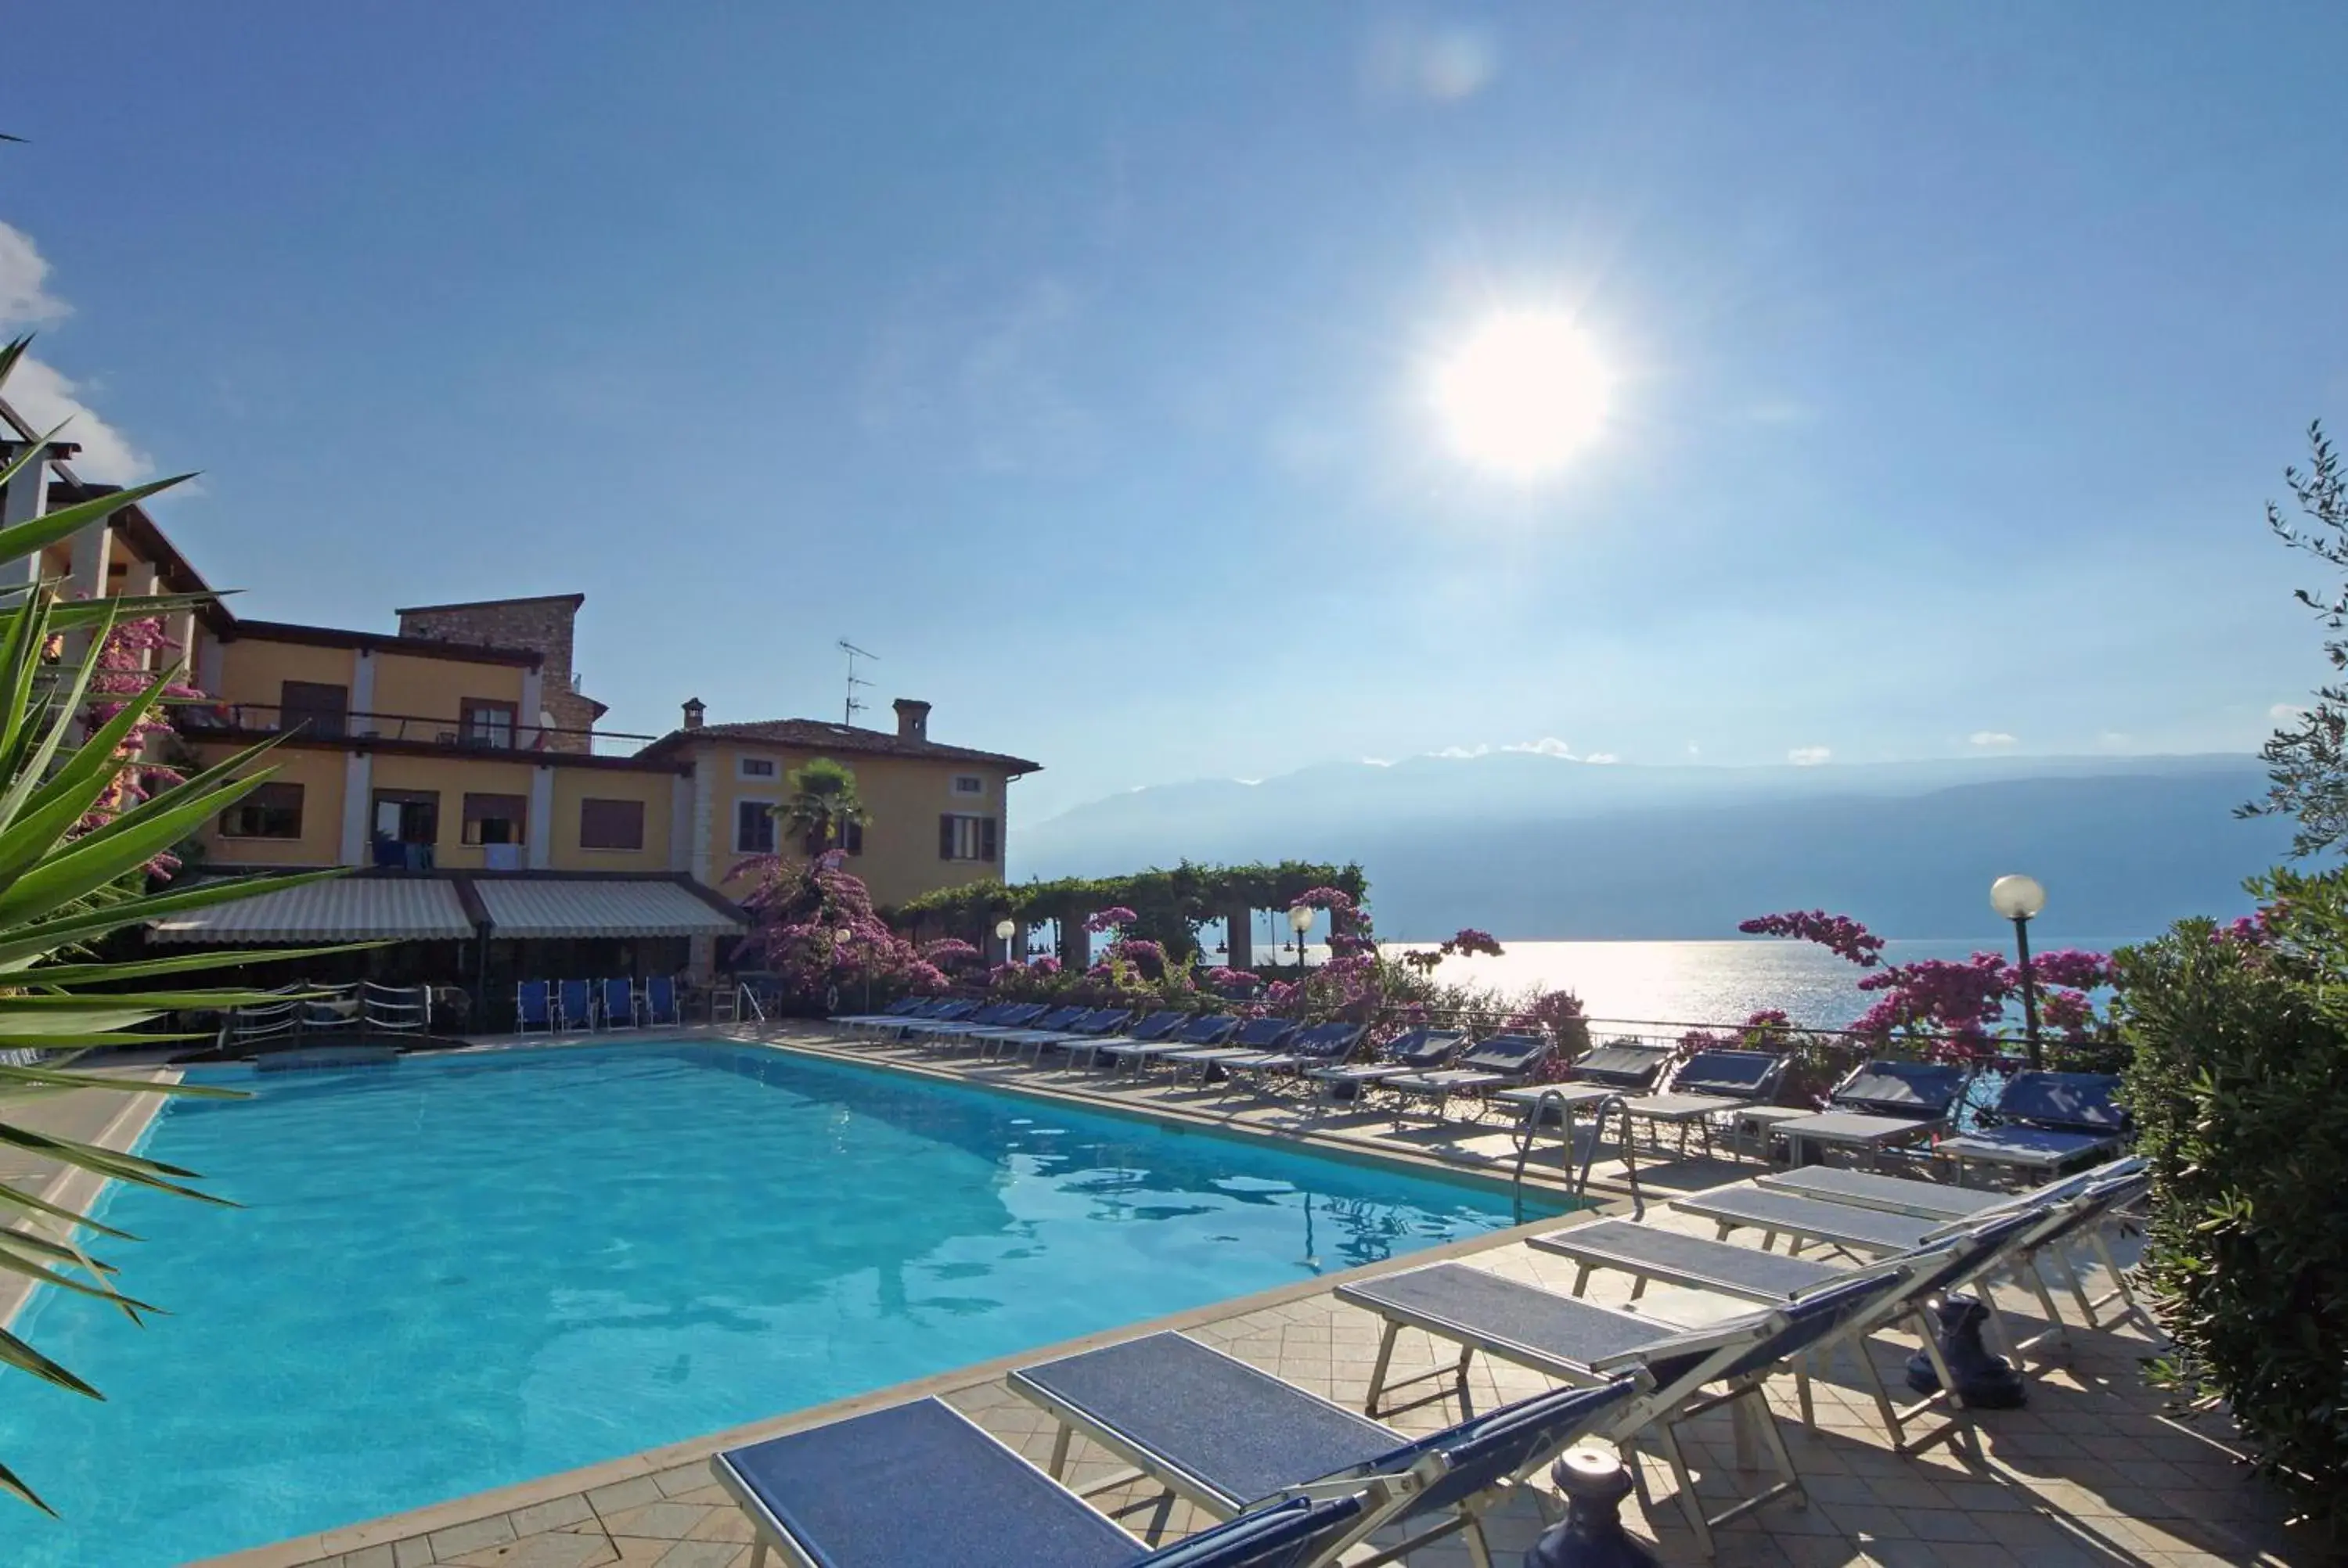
x,y
611,825
408,815
314,708
495,818
966,839
755,767
273,811
851,839
485,723
968,784
754,828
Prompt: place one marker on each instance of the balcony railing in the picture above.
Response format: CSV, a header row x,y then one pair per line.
x,y
456,734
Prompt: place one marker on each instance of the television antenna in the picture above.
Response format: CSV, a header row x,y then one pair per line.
x,y
854,706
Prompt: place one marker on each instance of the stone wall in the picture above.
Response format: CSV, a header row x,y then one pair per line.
x,y
544,625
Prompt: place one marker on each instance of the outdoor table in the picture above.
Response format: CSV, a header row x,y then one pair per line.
x,y
1851,1129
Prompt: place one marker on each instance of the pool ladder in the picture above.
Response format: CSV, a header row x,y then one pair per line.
x,y
1579,1183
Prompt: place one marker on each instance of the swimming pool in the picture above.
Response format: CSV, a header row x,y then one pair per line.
x,y
459,1272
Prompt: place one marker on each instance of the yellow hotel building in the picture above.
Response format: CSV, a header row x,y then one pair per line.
x,y
493,831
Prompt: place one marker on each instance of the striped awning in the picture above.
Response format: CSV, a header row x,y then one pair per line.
x,y
536,907
347,909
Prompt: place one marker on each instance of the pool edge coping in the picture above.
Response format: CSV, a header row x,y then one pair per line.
x,y
78,1189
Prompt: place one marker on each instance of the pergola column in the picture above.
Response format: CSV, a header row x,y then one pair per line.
x,y
1238,937
1075,945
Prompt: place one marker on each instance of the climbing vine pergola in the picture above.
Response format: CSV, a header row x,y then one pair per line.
x,y
1169,905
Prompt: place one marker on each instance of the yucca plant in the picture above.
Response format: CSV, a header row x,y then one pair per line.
x,y
74,844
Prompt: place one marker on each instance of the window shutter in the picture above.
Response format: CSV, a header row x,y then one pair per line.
x,y
945,838
986,845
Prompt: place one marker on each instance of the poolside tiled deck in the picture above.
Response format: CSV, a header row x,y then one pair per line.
x,y
2095,1471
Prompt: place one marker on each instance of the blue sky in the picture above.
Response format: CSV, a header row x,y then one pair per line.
x,y
1076,359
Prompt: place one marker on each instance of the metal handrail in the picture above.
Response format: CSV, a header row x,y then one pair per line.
x,y
744,997
1576,1183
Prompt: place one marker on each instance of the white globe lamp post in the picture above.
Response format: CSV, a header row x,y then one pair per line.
x,y
2019,899
1004,930
1300,920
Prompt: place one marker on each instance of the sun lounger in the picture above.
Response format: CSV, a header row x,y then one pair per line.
x,y
1415,1051
943,1010
1097,1024
1211,1029
1257,1037
574,1005
2045,1121
1651,1254
534,1008
1877,1232
918,1484
1223,1435
1035,1018
1878,1105
902,1008
1624,1066
1580,1343
1503,1059
935,1029
660,1002
1308,1047
987,1022
1154,1028
615,1003
1867,1189
1708,1084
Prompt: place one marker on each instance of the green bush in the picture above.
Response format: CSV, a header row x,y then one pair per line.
x,y
2238,1082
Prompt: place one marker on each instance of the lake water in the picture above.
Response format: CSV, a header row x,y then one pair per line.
x,y
1703,982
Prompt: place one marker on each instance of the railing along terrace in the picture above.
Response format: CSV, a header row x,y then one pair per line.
x,y
463,734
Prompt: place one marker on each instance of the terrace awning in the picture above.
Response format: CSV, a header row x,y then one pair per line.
x,y
347,909
537,908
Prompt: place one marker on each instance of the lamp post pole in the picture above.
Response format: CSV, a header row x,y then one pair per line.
x,y
2019,898
1300,920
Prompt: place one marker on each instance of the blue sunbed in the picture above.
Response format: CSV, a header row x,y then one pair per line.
x,y
1211,1029
1624,1067
1317,1046
617,1003
574,1005
1028,1018
2045,1121
918,1484
1710,1083
1223,1435
660,1002
534,1008
1098,1024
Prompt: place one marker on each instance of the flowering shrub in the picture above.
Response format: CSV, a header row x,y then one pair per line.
x,y
1109,919
122,669
950,953
813,926
1960,1010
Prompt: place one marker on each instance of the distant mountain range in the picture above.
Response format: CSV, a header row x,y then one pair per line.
x,y
1534,847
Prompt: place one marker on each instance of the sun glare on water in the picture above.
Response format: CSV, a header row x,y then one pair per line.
x,y
1524,393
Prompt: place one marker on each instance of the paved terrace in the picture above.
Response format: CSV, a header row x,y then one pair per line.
x,y
2096,1472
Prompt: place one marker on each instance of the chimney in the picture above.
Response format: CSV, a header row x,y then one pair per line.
x,y
913,720
693,708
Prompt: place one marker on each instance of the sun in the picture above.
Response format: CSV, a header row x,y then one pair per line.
x,y
1525,393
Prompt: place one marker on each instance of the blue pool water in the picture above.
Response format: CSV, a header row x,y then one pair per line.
x,y
461,1272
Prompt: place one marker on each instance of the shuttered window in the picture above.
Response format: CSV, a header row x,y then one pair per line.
x,y
496,818
611,825
966,837
272,811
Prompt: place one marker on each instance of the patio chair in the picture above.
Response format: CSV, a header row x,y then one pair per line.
x,y
1256,1037
1708,1084
1211,1028
661,1004
1413,1050
2045,1122
1579,1343
921,1483
1032,1044
1156,1026
574,1005
615,1003
1624,1067
1223,1435
534,1008
1500,1062
1879,1105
